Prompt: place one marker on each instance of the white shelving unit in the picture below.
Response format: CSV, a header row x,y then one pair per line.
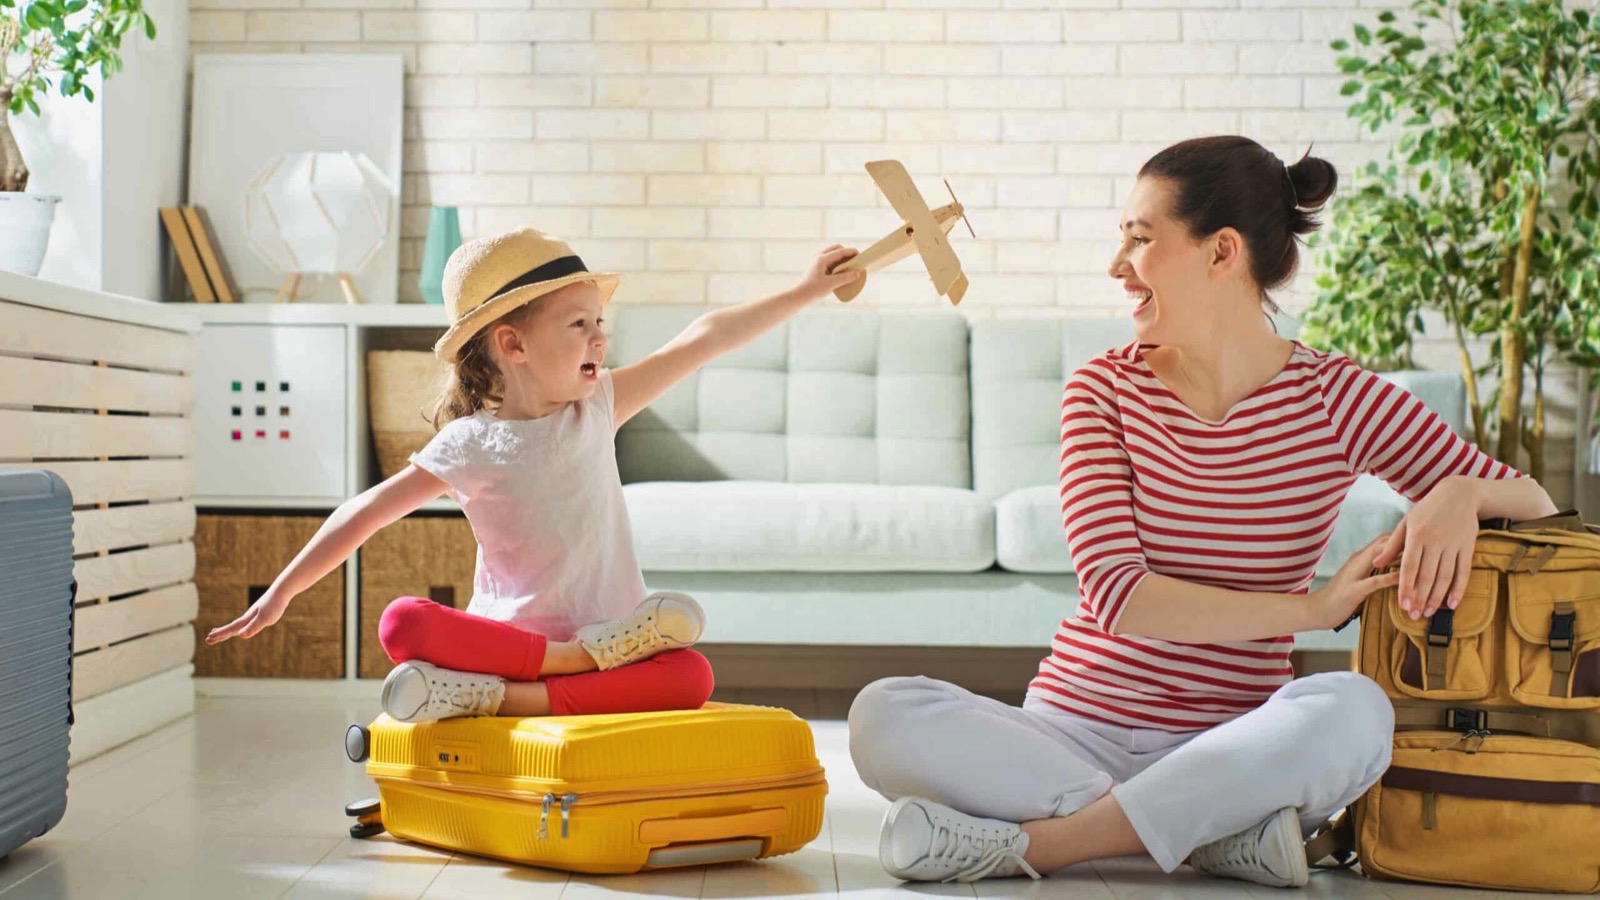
x,y
401,315
364,327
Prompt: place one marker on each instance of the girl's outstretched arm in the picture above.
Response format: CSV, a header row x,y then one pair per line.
x,y
722,331
349,527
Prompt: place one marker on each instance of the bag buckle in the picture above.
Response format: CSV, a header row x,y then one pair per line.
x,y
1440,627
1459,718
1561,630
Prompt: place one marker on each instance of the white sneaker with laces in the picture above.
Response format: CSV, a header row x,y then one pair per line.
x,y
423,692
1270,853
926,841
666,620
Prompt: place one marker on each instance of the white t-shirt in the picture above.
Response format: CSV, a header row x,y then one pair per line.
x,y
555,551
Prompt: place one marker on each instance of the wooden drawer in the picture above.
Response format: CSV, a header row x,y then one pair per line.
x,y
236,559
419,556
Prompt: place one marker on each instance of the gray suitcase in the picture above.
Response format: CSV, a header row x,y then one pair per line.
x,y
36,596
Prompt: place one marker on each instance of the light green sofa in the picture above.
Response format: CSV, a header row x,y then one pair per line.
x,y
864,478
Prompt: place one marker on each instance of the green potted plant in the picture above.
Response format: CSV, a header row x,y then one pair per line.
x,y
1486,212
49,45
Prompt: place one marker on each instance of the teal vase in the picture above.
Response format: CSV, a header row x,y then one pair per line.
x,y
444,236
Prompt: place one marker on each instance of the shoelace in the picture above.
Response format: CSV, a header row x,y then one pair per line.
x,y
617,648
979,856
454,695
1235,854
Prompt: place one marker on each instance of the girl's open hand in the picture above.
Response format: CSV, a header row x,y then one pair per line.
x,y
261,613
817,282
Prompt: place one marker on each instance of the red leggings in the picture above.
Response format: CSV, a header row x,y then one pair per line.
x,y
418,628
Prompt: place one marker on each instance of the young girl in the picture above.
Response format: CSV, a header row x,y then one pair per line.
x,y
559,621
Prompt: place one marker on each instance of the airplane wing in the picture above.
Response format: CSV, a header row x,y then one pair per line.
x,y
943,266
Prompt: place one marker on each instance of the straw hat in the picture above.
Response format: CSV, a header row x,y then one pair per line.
x,y
491,276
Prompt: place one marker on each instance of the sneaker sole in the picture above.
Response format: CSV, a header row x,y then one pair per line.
x,y
1285,832
385,695
883,837
693,604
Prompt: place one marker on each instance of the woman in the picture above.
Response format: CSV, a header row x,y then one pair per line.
x,y
1202,469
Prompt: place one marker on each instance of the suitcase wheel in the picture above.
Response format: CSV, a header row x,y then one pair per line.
x,y
364,830
360,809
357,743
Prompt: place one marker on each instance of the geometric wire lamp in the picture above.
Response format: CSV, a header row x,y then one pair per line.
x,y
318,213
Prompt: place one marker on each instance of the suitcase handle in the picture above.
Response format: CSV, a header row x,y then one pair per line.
x,y
713,828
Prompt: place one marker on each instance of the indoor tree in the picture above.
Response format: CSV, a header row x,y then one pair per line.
x,y
56,44
1486,211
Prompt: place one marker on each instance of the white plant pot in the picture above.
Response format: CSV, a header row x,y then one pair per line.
x,y
25,230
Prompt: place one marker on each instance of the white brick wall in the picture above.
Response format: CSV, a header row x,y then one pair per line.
x,y
709,147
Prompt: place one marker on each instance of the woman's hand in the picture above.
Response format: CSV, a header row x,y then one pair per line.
x,y
1335,602
816,282
1434,545
265,611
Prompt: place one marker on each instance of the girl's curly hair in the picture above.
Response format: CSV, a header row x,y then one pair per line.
x,y
476,382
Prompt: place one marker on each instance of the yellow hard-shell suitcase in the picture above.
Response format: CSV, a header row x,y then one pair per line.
x,y
598,794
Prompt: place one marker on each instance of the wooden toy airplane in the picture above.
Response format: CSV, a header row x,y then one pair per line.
x,y
923,230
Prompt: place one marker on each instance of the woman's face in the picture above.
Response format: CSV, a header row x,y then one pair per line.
x,y
1168,274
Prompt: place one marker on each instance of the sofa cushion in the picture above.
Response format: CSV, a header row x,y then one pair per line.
x,y
828,396
1028,535
1018,369
750,526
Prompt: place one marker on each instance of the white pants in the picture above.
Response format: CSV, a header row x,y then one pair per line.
x,y
1315,745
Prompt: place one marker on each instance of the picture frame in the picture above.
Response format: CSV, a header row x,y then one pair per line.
x,y
250,108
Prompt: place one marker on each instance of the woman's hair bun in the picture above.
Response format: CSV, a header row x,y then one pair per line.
x,y
1314,180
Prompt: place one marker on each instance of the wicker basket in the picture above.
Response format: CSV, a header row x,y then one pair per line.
x,y
401,386
236,558
418,556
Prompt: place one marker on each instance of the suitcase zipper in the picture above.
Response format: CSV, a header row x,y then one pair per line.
x,y
600,798
567,800
544,815
566,806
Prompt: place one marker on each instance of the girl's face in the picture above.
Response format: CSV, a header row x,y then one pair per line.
x,y
557,351
1172,278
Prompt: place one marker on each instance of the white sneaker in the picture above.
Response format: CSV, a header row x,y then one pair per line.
x,y
666,620
1271,853
925,841
423,692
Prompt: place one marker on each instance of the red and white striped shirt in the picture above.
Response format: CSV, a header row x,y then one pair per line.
x,y
1247,503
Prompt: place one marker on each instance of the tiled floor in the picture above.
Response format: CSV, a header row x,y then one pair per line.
x,y
244,800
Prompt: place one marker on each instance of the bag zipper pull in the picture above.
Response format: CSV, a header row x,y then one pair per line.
x,y
567,800
1466,736
544,815
1481,736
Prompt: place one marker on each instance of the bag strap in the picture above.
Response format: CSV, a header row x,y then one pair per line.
x,y
1441,628
1576,725
1562,619
1565,520
1336,839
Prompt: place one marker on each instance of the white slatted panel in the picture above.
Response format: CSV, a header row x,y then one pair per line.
x,y
106,405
